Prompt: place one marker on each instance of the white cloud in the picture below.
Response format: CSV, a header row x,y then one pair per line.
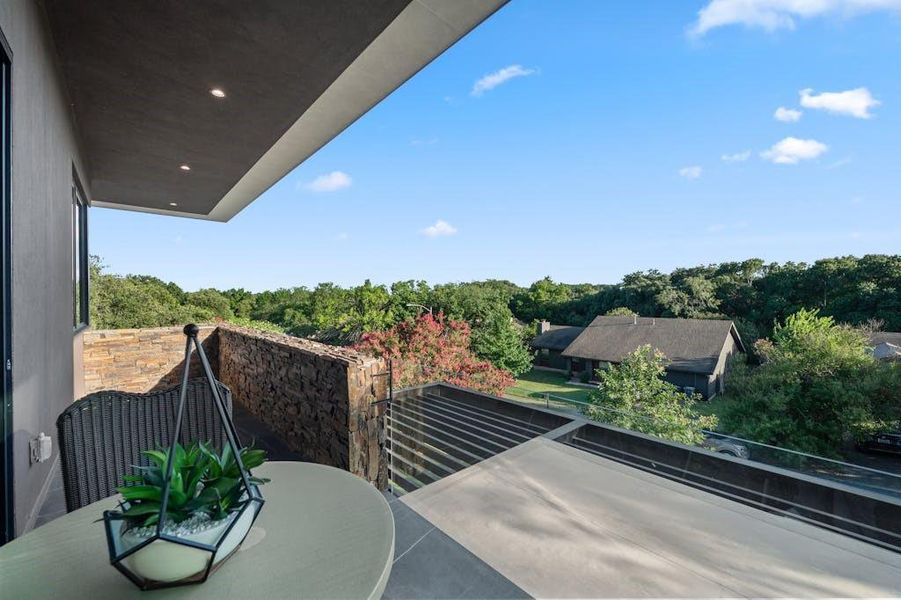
x,y
771,15
787,115
439,229
492,80
692,172
737,157
791,150
330,182
855,103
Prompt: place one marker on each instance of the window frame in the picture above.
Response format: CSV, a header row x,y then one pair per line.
x,y
80,257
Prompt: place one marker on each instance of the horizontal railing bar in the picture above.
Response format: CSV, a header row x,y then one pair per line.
x,y
405,413
403,418
510,436
533,430
410,479
443,418
394,440
393,426
418,470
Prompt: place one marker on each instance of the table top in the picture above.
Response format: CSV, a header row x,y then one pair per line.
x,y
323,533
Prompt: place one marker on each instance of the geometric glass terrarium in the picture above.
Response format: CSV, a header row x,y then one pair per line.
x,y
191,507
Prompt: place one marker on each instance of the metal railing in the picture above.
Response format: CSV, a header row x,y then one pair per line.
x,y
858,476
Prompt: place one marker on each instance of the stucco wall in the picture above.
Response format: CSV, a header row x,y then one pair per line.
x,y
317,397
44,152
141,360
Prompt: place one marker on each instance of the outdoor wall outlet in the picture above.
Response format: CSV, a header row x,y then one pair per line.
x,y
41,448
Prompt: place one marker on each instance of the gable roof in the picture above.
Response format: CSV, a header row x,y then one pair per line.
x,y
690,345
558,337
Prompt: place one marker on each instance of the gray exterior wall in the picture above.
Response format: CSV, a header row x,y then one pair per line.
x,y
551,359
44,152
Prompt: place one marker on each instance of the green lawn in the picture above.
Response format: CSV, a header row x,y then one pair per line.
x,y
536,383
710,407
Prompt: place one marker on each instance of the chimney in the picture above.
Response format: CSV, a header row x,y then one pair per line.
x,y
544,327
635,319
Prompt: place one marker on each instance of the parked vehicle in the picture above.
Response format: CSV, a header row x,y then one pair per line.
x,y
882,442
726,446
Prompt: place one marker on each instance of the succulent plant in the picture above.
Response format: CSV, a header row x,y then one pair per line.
x,y
203,482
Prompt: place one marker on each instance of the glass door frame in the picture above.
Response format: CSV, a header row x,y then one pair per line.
x,y
7,500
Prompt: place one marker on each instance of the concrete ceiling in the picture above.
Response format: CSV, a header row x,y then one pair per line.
x,y
295,74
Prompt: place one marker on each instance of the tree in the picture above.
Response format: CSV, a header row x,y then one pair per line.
x,y
621,311
433,349
541,299
211,300
240,301
501,340
818,389
634,395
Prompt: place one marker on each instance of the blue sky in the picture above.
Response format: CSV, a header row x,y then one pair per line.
x,y
595,149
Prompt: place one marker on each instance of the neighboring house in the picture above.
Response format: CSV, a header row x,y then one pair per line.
x,y
886,345
697,350
550,343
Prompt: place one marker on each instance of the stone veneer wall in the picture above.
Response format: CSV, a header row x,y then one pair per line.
x,y
317,398
141,360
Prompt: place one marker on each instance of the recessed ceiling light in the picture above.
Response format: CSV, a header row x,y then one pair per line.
x,y
185,168
173,204
217,92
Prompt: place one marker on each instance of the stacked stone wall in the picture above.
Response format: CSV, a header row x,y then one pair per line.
x,y
321,400
141,360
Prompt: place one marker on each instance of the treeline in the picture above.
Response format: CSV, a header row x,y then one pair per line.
x,y
753,293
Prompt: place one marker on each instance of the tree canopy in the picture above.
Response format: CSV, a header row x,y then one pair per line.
x,y
634,395
434,348
818,390
500,314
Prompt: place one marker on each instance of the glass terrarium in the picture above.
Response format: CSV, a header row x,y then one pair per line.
x,y
190,508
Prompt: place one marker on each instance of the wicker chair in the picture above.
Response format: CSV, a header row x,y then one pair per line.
x,y
103,435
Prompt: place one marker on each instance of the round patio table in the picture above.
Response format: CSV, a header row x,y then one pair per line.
x,y
322,533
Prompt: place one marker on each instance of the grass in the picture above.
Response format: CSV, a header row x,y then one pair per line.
x,y
536,383
710,407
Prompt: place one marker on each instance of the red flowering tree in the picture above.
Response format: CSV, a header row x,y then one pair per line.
x,y
434,349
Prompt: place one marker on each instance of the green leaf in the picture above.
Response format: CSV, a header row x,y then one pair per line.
x,y
144,508
139,492
157,456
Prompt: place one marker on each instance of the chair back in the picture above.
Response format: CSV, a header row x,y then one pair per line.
x,y
102,436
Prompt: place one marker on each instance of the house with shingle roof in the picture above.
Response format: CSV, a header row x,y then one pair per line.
x,y
697,350
550,343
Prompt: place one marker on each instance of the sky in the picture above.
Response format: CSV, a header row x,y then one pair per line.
x,y
581,140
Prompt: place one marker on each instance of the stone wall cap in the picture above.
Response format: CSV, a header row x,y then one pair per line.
x,y
341,354
145,330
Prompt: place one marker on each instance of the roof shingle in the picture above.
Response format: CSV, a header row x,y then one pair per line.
x,y
558,337
691,345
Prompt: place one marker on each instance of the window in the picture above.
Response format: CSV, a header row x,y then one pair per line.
x,y
79,255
